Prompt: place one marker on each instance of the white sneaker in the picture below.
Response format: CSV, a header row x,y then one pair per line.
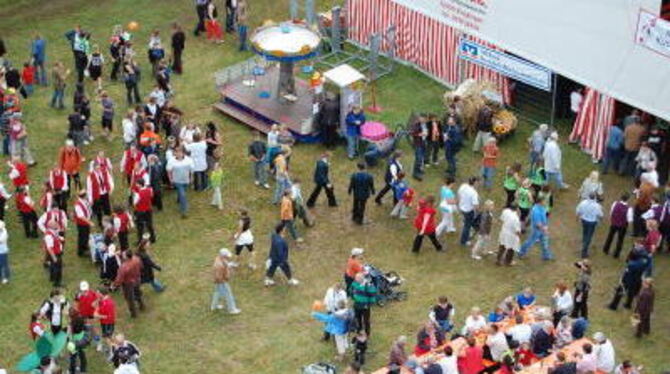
x,y
257,183
477,258
293,282
5,281
299,240
86,142
219,307
266,186
269,282
98,347
235,311
252,266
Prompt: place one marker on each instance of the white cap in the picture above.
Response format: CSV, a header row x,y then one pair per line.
x,y
225,252
83,286
357,251
544,127
599,337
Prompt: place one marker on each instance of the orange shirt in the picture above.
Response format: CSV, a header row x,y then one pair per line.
x,y
70,160
354,267
490,152
286,209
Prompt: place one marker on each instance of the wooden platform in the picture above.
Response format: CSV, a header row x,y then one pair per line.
x,y
244,104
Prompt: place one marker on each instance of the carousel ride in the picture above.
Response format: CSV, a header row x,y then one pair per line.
x,y
269,92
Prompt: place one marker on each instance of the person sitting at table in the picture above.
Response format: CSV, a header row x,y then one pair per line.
x,y
627,367
430,366
562,366
543,340
470,358
526,298
604,352
428,338
507,365
520,332
398,357
442,314
497,315
524,355
564,332
449,363
508,306
586,361
563,302
497,343
474,322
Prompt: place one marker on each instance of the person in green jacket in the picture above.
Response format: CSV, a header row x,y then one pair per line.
x,y
215,181
364,294
511,182
537,177
524,198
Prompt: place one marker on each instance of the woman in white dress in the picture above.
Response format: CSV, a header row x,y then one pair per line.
x,y
508,238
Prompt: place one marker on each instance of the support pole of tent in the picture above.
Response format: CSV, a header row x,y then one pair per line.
x,y
554,90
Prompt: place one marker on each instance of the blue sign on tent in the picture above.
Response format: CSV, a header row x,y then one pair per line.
x,y
505,64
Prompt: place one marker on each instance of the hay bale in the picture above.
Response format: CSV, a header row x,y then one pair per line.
x,y
470,92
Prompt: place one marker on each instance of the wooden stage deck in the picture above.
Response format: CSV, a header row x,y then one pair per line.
x,y
245,105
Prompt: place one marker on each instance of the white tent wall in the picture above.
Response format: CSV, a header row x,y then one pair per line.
x,y
589,41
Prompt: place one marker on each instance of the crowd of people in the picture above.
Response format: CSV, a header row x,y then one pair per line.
x,y
163,153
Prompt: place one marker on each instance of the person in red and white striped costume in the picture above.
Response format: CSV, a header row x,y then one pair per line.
x,y
82,218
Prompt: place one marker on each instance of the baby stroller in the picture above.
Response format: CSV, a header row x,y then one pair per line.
x,y
386,284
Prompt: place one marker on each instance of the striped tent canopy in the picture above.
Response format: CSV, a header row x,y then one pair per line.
x,y
420,40
592,125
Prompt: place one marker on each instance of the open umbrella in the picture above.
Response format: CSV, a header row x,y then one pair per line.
x,y
374,131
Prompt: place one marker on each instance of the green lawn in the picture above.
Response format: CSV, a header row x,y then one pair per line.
x,y
275,334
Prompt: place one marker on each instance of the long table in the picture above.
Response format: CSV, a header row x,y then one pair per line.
x,y
540,367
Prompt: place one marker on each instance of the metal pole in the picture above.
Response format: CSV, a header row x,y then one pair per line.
x,y
553,99
310,15
293,9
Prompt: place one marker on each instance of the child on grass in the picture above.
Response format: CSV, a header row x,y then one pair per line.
x,y
404,194
28,78
484,231
215,181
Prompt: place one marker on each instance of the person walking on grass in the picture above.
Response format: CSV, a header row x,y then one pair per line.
x,y
354,120
490,154
178,42
468,204
244,239
215,182
129,279
425,224
447,207
59,75
393,168
242,25
148,264
589,211
361,187
552,157
404,194
257,152
4,254
279,252
620,216
38,54
322,181
509,239
180,171
364,295
539,232
645,307
483,232
287,216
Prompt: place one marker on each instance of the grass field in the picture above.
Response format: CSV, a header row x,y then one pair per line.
x,y
275,334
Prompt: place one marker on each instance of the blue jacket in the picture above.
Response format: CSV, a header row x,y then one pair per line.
x,y
615,140
278,249
538,216
362,185
336,323
38,50
321,173
354,129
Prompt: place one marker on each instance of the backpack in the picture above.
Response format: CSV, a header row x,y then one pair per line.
x,y
319,368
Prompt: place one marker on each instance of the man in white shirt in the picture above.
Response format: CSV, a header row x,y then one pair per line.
x,y
129,129
497,343
179,171
198,152
521,332
552,161
448,363
468,202
604,351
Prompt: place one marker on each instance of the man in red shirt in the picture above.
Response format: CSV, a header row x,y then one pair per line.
x,y
354,266
26,207
128,278
142,201
18,172
98,188
106,312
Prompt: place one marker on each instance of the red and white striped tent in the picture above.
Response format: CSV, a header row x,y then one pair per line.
x,y
422,41
591,128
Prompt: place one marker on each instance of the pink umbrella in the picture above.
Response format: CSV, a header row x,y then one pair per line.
x,y
374,131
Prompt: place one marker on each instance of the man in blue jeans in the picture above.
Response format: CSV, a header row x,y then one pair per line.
x,y
589,212
354,120
468,203
179,170
539,231
38,53
419,137
221,270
